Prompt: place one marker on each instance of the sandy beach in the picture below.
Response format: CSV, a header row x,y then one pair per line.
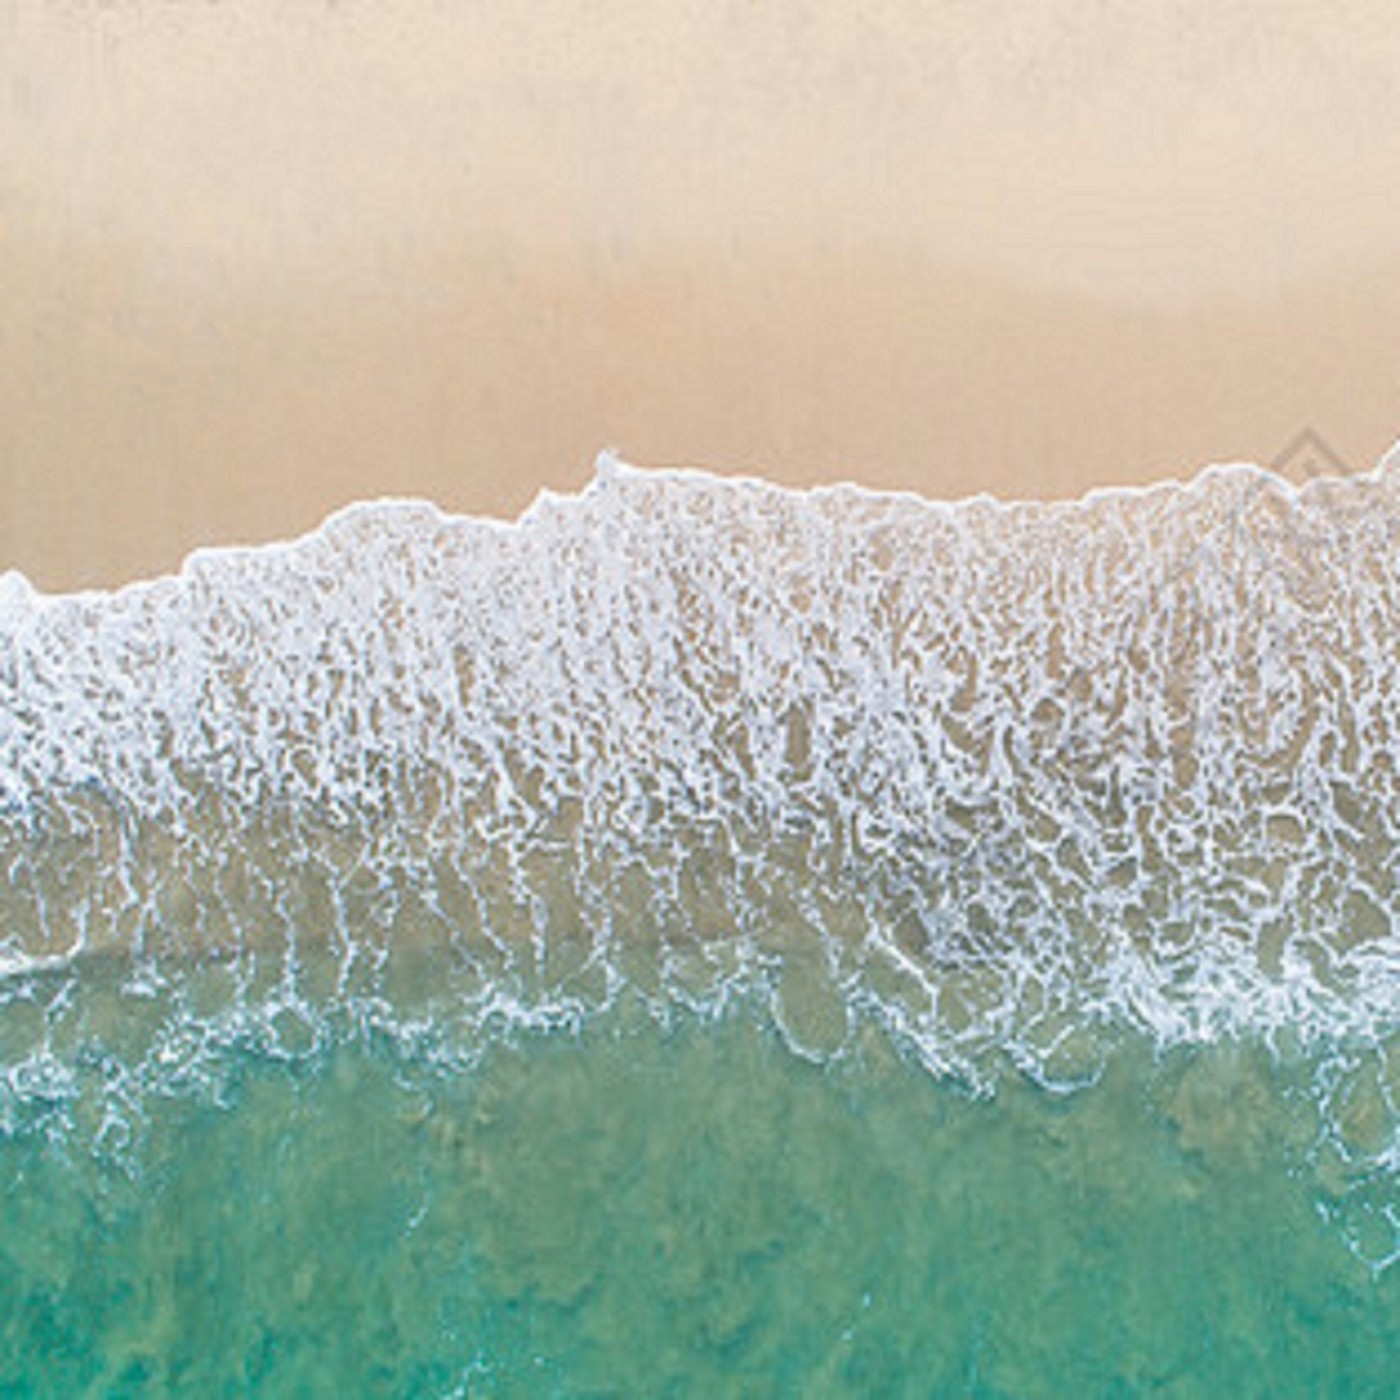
x,y
710,939
257,262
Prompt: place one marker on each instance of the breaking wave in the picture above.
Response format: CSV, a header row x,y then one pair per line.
x,y
1005,781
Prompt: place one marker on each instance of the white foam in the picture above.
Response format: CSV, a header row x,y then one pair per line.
x,y
1126,761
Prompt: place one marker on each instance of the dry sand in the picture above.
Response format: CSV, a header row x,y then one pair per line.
x,y
258,260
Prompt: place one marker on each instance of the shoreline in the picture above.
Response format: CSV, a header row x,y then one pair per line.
x,y
259,263
15,583
141,426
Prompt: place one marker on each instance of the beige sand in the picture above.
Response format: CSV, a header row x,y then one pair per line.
x,y
258,260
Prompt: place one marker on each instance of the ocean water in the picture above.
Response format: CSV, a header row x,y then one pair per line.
x,y
710,939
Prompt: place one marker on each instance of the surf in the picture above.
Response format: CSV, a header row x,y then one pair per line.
x,y
1011,784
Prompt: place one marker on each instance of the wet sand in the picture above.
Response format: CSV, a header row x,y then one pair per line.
x,y
257,262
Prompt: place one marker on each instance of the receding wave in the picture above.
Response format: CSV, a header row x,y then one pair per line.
x,y
1006,782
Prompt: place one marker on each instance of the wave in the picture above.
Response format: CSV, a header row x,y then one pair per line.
x,y
1007,780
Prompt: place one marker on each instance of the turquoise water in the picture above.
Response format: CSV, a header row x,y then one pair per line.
x,y
697,1212
703,939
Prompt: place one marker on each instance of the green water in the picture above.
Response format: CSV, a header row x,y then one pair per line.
x,y
693,1212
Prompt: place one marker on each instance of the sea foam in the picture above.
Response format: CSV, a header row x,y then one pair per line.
x,y
1007,780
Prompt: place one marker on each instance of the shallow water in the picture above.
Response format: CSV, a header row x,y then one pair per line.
x,y
705,939
694,1211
